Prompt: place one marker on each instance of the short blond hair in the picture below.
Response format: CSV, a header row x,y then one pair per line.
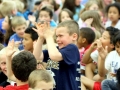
x,y
17,21
39,75
6,7
19,5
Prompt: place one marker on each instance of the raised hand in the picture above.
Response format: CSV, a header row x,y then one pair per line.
x,y
31,18
89,21
39,30
102,51
10,48
93,45
47,30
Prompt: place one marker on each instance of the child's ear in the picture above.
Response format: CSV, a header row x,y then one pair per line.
x,y
13,29
83,40
75,36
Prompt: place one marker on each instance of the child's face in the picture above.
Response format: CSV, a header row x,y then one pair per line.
x,y
27,42
64,16
105,39
5,24
113,14
63,38
42,85
44,16
3,64
80,42
20,30
77,2
94,7
117,47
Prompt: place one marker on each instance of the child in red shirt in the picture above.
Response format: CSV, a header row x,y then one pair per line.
x,y
87,36
22,64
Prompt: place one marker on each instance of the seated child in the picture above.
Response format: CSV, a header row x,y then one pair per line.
x,y
65,14
44,15
18,25
40,80
87,37
23,62
110,84
28,38
65,59
106,40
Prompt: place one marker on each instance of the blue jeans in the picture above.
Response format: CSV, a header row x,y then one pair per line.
x,y
109,85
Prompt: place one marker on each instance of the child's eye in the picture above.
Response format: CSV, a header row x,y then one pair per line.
x,y
3,63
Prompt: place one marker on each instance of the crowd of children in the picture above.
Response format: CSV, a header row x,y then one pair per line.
x,y
59,45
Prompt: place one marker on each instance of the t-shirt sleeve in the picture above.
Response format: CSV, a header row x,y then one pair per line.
x,y
45,55
70,54
94,56
1,88
11,37
108,61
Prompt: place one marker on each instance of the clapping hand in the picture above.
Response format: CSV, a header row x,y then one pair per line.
x,y
10,49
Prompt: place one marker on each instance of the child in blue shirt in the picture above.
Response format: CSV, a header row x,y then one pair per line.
x,y
63,61
18,25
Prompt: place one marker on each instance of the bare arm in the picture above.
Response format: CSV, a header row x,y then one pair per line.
x,y
10,74
37,52
101,60
101,67
86,57
10,50
54,53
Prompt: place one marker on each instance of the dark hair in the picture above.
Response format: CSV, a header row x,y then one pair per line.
x,y
47,10
68,11
33,34
23,64
37,2
117,38
112,32
9,32
70,4
116,4
118,77
87,33
1,37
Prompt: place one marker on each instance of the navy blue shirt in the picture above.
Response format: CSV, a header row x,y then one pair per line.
x,y
65,71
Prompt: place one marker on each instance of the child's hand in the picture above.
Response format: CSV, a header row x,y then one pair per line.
x,y
113,74
102,52
17,43
39,30
89,22
93,45
10,48
47,31
31,18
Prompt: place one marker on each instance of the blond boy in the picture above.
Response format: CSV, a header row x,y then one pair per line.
x,y
40,80
19,25
64,60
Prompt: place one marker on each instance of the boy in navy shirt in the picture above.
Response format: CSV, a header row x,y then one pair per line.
x,y
63,60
